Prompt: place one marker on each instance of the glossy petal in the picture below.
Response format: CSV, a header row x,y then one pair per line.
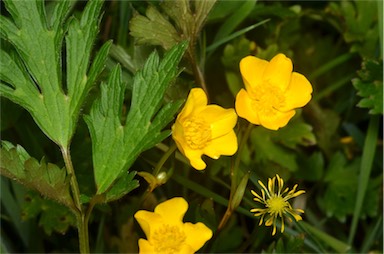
x,y
198,124
196,100
298,93
278,71
244,107
221,120
197,234
148,220
252,70
173,210
145,247
276,120
225,145
194,157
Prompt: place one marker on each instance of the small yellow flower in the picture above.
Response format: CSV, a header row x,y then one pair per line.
x,y
272,91
166,233
276,203
204,129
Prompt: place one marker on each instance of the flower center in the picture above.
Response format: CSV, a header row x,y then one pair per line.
x,y
267,98
197,133
276,204
168,239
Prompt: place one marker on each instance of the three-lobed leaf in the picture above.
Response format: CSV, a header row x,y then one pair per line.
x,y
117,144
33,76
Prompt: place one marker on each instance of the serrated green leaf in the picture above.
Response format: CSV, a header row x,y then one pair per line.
x,y
47,178
38,86
153,29
339,197
294,134
370,86
156,29
266,150
123,185
116,145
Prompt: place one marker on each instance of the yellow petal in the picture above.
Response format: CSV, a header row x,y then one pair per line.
x,y
186,249
148,220
252,69
178,135
221,120
194,157
172,211
244,107
145,247
276,120
278,71
195,101
197,234
224,145
298,93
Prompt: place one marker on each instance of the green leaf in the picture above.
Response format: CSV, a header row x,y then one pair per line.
x,y
123,185
369,85
267,151
153,29
116,145
52,216
38,86
47,178
294,134
156,29
339,197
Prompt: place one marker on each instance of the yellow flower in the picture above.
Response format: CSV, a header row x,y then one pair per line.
x,y
276,203
272,91
166,233
204,129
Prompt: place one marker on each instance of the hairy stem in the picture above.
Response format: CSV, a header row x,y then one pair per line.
x,y
82,222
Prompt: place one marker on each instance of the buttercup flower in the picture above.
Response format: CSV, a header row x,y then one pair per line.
x,y
272,91
204,129
166,233
276,203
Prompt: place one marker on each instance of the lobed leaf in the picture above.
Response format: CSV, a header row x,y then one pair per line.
x,y
116,145
369,85
33,77
47,178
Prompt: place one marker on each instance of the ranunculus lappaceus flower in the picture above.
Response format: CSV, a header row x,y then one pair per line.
x,y
167,233
275,201
272,91
204,129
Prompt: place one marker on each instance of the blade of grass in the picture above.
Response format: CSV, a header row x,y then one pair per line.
x,y
365,171
331,65
367,243
206,192
380,10
332,242
220,42
333,87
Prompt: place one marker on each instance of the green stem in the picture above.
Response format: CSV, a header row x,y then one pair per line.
x,y
163,159
199,77
235,168
82,223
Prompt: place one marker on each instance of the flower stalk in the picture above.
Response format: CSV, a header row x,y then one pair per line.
x,y
235,179
81,220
